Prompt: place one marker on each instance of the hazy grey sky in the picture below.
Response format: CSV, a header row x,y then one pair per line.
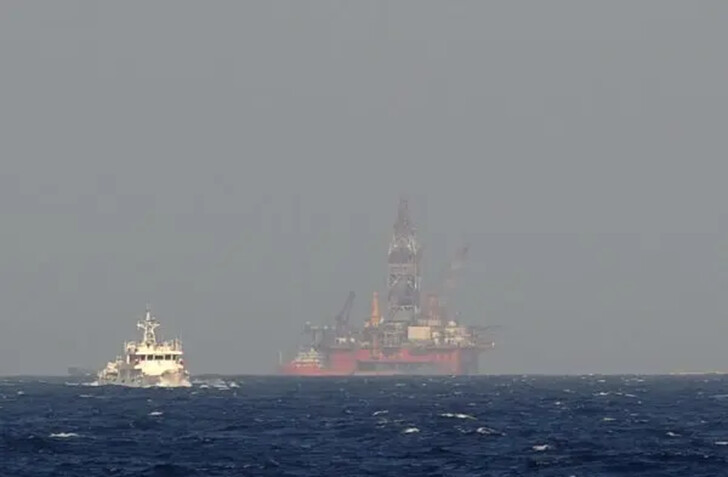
x,y
238,164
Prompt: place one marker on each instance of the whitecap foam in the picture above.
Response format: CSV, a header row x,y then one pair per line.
x,y
64,435
457,415
488,431
410,430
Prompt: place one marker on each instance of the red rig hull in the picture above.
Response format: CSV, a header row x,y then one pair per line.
x,y
387,362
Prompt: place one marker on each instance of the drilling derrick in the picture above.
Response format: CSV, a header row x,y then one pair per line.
x,y
403,264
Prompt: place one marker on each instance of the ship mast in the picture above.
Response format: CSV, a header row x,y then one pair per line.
x,y
148,325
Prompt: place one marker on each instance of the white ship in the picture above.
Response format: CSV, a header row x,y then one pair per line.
x,y
148,362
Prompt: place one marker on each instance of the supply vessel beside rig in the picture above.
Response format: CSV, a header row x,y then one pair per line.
x,y
413,336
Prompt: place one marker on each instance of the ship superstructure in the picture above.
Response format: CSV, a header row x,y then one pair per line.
x,y
415,335
148,362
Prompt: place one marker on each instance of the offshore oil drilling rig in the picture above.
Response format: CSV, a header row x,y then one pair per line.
x,y
416,334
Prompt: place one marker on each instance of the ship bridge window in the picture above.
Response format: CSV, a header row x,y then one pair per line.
x,y
142,357
150,357
159,357
168,357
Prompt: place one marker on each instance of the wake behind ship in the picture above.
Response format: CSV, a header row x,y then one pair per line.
x,y
411,338
149,362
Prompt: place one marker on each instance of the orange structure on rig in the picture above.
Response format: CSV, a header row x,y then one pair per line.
x,y
407,339
375,317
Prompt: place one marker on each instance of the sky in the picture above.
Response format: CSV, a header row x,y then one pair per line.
x,y
237,166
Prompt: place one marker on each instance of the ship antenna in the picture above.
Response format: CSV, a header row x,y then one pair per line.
x,y
148,325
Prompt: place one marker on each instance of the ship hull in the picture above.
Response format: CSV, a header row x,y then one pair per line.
x,y
145,383
138,380
305,371
391,362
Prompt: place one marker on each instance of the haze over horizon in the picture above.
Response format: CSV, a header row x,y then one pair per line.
x,y
237,165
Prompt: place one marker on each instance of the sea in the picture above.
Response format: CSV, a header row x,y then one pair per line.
x,y
373,426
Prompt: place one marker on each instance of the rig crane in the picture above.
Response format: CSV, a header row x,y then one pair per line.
x,y
342,318
448,285
321,335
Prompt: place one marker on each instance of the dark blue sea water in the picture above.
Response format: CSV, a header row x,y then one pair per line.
x,y
499,426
